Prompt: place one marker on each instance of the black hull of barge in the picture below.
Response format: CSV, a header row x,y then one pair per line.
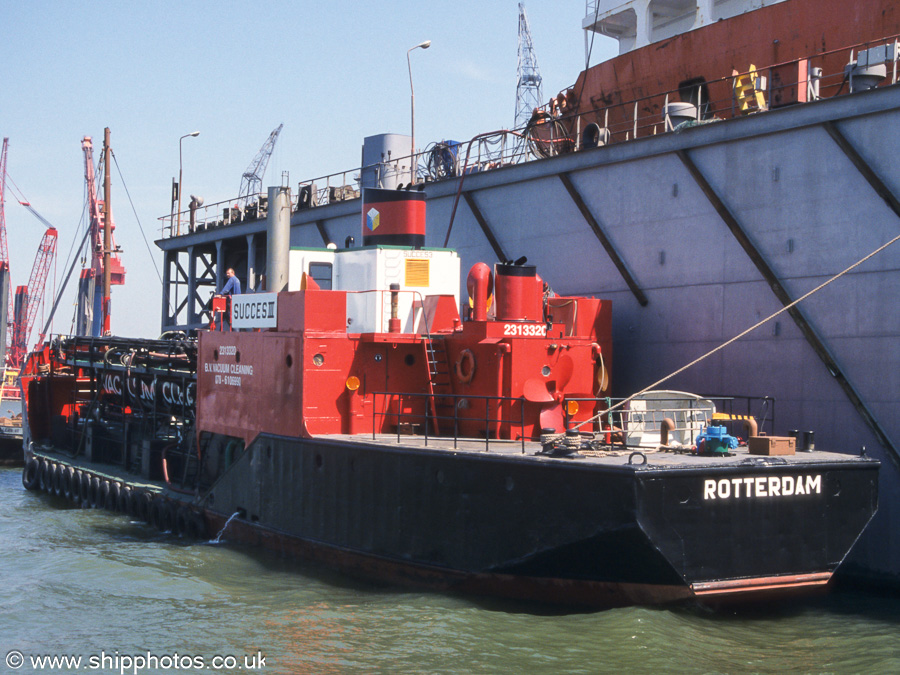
x,y
563,531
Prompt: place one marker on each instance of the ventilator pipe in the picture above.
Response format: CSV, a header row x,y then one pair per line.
x,y
479,284
665,428
394,323
751,427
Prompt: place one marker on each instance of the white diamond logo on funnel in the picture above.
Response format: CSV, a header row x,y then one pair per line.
x,y
373,219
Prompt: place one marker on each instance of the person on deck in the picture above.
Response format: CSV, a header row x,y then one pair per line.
x,y
233,285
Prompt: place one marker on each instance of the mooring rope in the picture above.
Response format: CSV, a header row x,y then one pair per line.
x,y
740,335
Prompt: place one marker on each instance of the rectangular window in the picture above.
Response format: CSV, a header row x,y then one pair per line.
x,y
320,272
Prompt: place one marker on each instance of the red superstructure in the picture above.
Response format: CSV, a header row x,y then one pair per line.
x,y
518,357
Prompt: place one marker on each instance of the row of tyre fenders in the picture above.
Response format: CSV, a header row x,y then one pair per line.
x,y
91,490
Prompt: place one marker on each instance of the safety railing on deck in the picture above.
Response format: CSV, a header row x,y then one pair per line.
x,y
637,425
554,131
383,311
393,413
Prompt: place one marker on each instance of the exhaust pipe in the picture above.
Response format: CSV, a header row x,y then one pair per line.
x,y
278,225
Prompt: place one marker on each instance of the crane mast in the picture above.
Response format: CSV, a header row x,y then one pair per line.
x,y
4,251
29,298
92,314
528,85
251,181
18,316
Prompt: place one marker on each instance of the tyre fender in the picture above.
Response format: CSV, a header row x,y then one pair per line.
x,y
45,475
112,498
123,503
94,492
31,474
68,482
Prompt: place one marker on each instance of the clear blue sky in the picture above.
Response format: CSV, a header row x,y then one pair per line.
x,y
332,72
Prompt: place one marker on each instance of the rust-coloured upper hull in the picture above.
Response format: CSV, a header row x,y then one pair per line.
x,y
777,34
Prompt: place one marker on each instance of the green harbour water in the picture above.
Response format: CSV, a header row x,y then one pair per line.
x,y
92,584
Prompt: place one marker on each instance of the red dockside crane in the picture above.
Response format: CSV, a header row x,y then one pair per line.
x,y
106,267
22,309
29,298
6,383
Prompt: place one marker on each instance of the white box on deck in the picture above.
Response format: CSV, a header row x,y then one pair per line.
x,y
367,274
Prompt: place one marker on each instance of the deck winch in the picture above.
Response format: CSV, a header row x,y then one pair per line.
x,y
715,440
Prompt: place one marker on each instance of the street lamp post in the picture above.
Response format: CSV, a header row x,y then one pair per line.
x,y
412,100
193,133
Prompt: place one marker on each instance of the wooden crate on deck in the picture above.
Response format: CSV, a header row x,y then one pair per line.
x,y
772,445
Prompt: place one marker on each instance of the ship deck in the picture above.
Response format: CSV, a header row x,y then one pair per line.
x,y
630,458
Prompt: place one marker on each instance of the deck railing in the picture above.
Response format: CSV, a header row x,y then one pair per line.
x,y
635,426
389,408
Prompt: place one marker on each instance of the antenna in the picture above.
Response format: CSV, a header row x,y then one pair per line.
x,y
528,88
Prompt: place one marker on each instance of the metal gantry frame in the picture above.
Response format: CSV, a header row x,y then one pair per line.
x,y
528,75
